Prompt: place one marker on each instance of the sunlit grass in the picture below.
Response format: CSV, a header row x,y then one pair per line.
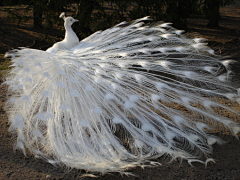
x,y
4,65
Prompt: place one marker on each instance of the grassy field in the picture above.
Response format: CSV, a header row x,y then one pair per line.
x,y
4,65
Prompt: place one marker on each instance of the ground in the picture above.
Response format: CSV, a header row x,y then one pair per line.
x,y
14,165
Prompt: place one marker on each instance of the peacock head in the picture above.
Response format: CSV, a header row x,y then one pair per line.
x,y
68,20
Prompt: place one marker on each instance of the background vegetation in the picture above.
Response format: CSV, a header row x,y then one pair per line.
x,y
94,15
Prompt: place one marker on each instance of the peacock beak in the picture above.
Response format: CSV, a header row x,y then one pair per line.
x,y
75,20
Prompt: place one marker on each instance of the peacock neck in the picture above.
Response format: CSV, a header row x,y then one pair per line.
x,y
70,36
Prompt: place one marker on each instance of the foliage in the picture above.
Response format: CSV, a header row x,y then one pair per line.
x,y
13,14
142,8
211,10
84,13
94,15
177,11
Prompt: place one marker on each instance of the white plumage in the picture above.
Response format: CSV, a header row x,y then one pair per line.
x,y
70,39
120,97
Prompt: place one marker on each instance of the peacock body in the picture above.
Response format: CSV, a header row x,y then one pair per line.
x,y
120,98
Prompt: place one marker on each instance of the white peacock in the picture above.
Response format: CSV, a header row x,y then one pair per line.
x,y
120,97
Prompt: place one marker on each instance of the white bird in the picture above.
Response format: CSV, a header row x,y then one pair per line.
x,y
120,98
70,39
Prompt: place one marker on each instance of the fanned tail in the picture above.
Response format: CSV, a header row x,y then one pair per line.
x,y
121,97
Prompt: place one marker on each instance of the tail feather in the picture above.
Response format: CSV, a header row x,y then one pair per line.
x,y
121,97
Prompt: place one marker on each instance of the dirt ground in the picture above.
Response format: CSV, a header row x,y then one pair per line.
x,y
14,165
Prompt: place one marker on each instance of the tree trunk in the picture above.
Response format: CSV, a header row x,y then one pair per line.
x,y
37,14
213,12
84,12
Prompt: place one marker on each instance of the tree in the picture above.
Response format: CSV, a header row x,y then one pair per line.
x,y
38,8
177,11
211,10
152,8
84,13
50,9
94,15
